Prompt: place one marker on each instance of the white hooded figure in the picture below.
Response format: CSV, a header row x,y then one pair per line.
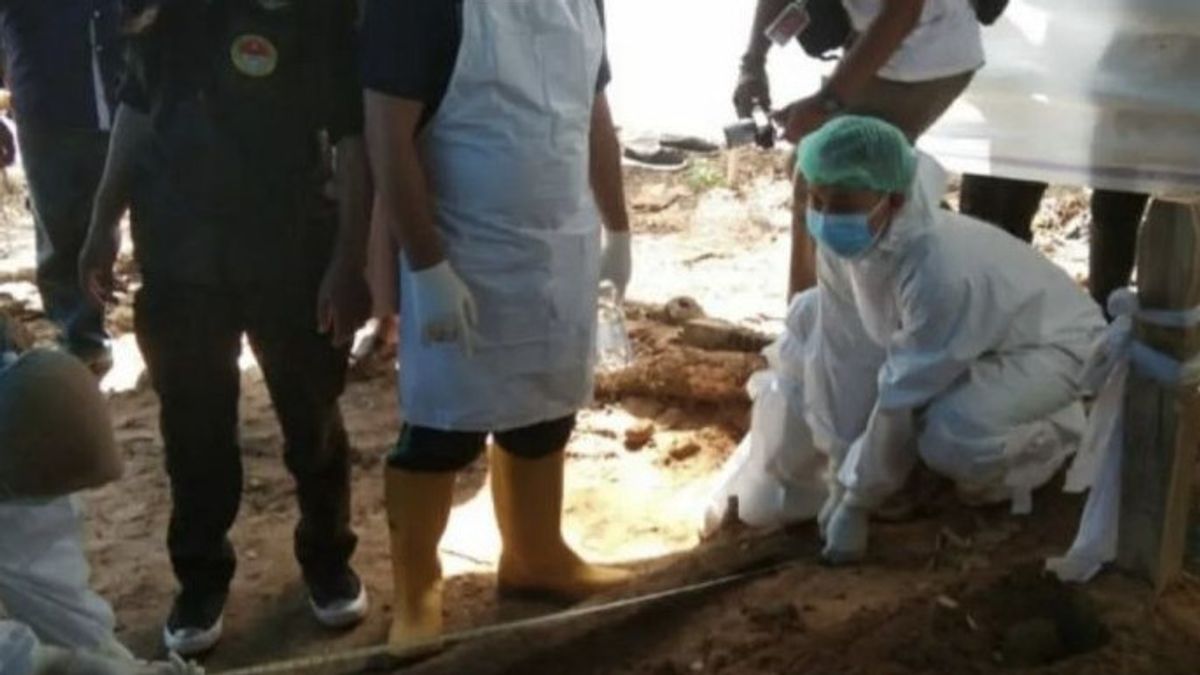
x,y
55,439
941,339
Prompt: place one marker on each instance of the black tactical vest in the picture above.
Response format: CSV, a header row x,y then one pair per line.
x,y
233,184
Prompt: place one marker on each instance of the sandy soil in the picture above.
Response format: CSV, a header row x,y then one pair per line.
x,y
942,593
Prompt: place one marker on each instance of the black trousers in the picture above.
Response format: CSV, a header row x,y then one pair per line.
x,y
425,450
190,337
1116,218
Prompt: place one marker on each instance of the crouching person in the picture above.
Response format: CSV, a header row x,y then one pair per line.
x,y
55,439
983,338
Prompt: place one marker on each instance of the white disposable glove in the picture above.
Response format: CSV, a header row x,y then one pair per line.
x,y
445,309
846,534
616,261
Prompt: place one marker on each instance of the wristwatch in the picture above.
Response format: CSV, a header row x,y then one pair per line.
x,y
830,103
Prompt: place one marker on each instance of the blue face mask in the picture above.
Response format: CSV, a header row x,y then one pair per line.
x,y
848,235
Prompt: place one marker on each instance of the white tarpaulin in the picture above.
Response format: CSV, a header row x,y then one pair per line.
x,y
1093,92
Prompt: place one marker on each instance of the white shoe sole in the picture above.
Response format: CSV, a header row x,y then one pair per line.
x,y
192,642
343,615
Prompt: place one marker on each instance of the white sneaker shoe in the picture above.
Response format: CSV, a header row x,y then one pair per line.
x,y
195,624
341,605
191,641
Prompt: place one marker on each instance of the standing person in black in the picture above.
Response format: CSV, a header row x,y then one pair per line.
x,y
63,61
234,116
1011,204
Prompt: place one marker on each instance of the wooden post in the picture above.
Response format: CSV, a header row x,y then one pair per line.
x,y
1162,424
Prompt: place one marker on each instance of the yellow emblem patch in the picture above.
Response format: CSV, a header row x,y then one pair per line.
x,y
254,55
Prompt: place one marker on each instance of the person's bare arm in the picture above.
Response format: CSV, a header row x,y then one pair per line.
x,y
444,309
764,13
400,178
753,86
131,132
607,182
874,48
344,301
354,193
871,52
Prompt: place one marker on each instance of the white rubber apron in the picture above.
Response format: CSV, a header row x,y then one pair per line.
x,y
507,160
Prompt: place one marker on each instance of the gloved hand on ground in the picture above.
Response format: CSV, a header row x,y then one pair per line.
x,y
846,534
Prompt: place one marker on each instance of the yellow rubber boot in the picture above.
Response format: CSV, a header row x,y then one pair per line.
x,y
528,496
418,507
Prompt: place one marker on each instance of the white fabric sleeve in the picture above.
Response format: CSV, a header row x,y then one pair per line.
x,y
947,321
881,459
44,575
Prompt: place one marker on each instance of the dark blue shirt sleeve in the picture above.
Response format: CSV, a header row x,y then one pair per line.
x,y
410,48
605,77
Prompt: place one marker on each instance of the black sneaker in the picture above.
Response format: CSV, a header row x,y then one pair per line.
x,y
339,601
194,626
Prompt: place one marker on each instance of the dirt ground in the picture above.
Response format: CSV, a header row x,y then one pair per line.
x,y
953,591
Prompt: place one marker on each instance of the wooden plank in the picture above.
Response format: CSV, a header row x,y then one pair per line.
x,y
1162,430
719,335
528,650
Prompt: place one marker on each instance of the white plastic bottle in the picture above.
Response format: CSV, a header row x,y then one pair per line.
x,y
613,349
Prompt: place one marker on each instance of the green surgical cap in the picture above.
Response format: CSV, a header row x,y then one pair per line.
x,y
858,153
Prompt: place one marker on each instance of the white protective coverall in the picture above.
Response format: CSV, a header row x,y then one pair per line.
x,y
44,588
951,342
518,220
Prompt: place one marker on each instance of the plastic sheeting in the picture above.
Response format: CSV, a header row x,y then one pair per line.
x,y
777,475
1091,92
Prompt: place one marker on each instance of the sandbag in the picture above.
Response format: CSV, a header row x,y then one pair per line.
x,y
56,436
777,474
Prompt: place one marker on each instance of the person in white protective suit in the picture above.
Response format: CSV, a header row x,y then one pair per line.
x,y
941,339
495,153
55,439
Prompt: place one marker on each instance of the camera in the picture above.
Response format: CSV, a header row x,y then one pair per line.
x,y
756,129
